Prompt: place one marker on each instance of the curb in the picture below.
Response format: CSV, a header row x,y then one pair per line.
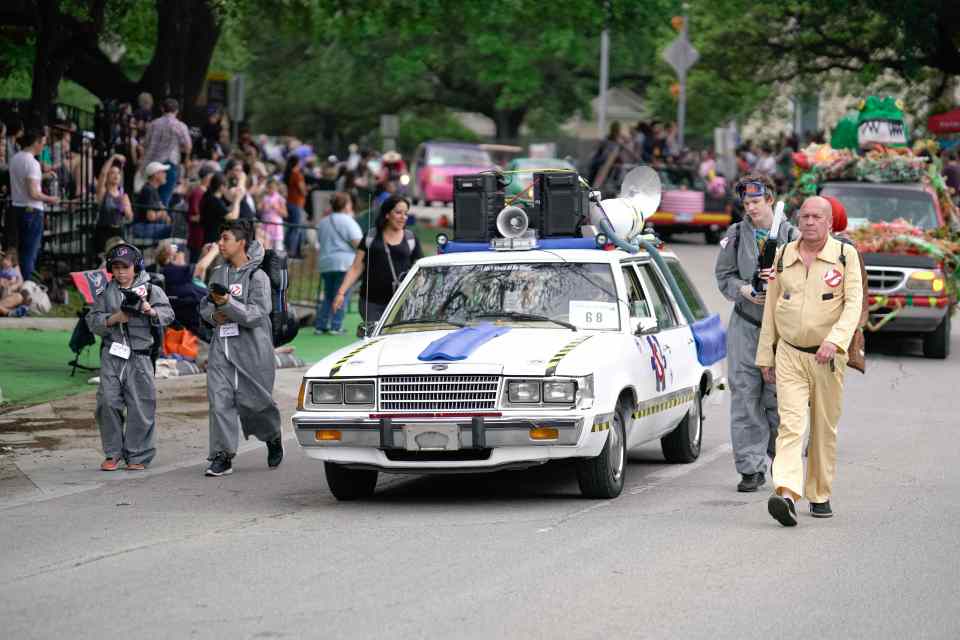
x,y
39,324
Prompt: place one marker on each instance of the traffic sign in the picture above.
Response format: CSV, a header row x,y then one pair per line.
x,y
680,54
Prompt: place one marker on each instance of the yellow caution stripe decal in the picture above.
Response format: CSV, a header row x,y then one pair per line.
x,y
559,355
673,400
602,422
339,363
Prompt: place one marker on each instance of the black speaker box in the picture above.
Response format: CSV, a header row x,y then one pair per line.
x,y
477,199
560,201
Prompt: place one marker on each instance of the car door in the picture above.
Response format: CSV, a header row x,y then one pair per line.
x,y
646,423
678,365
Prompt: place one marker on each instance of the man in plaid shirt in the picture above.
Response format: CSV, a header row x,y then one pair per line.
x,y
167,142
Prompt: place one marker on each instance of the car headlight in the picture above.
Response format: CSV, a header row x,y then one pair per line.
x,y
404,179
326,393
926,281
524,391
559,391
358,392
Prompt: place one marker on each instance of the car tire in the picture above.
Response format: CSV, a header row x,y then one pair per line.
x,y
712,236
936,344
683,443
349,484
602,477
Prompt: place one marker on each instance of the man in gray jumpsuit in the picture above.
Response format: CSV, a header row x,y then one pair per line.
x,y
126,315
241,369
753,403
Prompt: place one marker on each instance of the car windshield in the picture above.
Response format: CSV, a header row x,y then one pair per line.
x,y
461,156
866,205
568,292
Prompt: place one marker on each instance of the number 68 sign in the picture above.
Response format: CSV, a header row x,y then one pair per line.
x,y
589,314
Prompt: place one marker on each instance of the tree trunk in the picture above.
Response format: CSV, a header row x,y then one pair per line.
x,y
58,36
187,33
508,122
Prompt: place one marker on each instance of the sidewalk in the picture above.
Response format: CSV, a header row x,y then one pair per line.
x,y
53,449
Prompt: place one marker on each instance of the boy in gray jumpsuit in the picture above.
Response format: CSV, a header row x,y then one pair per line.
x,y
241,368
753,404
124,315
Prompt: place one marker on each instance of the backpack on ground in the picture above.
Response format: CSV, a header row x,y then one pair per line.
x,y
282,319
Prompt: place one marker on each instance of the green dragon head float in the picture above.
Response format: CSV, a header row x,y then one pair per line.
x,y
878,121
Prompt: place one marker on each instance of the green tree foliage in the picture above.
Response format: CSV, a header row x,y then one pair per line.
x,y
341,64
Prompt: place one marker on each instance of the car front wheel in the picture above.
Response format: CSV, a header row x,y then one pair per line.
x,y
937,343
683,443
602,477
349,484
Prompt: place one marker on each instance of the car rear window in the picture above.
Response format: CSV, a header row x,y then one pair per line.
x,y
461,156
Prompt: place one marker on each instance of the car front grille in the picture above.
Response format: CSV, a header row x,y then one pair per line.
x,y
439,393
884,279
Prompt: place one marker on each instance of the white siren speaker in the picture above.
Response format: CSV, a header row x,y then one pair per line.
x,y
512,222
639,198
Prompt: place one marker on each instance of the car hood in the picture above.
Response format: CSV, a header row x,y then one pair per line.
x,y
519,351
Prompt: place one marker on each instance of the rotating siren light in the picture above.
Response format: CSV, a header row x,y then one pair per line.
x,y
622,218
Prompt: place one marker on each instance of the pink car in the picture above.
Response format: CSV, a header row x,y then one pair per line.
x,y
435,164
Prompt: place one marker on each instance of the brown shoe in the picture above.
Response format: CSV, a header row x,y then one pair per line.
x,y
136,466
110,464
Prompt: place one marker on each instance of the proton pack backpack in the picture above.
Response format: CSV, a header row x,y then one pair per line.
x,y
282,319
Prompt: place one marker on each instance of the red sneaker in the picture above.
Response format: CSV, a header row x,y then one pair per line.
x,y
110,464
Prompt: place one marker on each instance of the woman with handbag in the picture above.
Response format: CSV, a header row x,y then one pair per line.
x,y
387,252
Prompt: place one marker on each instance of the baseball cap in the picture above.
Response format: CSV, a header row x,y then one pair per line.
x,y
122,253
154,167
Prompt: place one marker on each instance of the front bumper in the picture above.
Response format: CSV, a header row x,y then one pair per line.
x,y
911,314
485,443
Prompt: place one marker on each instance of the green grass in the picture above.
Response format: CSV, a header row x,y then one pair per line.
x,y
35,366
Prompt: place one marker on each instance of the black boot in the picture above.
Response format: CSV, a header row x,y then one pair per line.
x,y
274,453
751,482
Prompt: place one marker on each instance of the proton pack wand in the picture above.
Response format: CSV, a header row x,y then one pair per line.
x,y
765,261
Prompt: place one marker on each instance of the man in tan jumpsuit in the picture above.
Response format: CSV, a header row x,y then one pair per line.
x,y
812,309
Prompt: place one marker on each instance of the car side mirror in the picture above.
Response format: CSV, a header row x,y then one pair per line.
x,y
365,329
644,326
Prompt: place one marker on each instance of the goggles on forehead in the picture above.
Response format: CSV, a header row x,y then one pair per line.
x,y
751,189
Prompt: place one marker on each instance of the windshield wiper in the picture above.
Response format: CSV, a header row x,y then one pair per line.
x,y
514,315
401,323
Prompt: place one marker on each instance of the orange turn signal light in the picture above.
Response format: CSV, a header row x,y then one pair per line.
x,y
327,435
300,395
544,433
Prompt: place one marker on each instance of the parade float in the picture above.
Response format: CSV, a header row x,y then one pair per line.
x,y
902,217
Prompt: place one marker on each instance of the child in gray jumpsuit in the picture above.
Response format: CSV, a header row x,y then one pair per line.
x,y
124,315
241,368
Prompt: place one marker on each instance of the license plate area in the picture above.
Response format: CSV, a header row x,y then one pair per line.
x,y
433,436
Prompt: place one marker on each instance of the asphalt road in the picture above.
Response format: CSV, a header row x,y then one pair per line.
x,y
681,554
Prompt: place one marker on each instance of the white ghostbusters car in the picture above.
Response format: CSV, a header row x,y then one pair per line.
x,y
488,360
